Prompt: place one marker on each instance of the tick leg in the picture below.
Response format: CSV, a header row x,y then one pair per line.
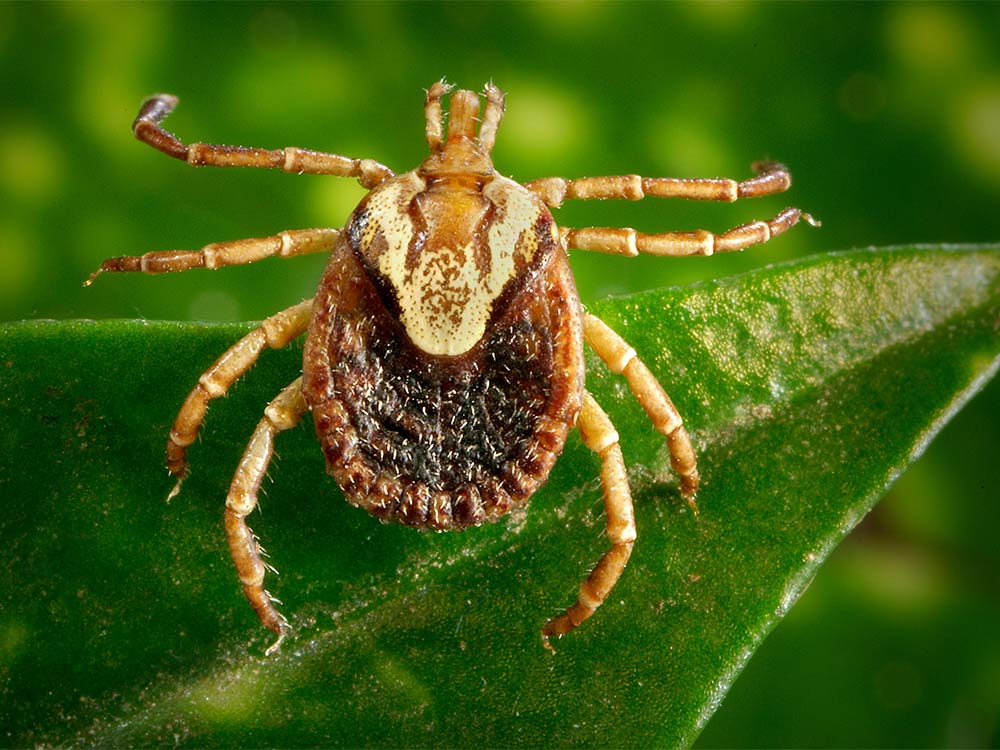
x,y
147,128
490,121
218,254
627,241
621,359
491,116
771,178
434,127
281,414
601,437
273,333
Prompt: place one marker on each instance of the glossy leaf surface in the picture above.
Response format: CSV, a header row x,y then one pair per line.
x,y
807,387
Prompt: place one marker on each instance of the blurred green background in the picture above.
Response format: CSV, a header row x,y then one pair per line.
x,y
887,114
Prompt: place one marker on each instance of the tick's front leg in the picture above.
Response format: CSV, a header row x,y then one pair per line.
x,y
771,178
148,128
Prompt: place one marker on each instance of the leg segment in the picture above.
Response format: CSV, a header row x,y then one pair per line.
x,y
273,333
771,178
432,114
600,436
462,120
147,128
281,414
491,116
629,242
621,359
218,254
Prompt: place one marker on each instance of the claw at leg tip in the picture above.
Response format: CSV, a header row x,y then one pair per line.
x,y
546,643
691,498
176,490
276,646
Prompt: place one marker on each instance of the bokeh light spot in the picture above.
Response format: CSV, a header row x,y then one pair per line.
x,y
331,201
542,124
976,130
110,81
929,36
720,17
579,15
32,164
684,145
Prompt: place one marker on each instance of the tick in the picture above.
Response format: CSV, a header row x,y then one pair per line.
x,y
443,361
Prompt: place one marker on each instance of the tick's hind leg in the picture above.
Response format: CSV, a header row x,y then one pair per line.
x,y
601,437
621,359
273,333
281,414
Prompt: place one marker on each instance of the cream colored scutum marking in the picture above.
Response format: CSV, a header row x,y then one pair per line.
x,y
446,298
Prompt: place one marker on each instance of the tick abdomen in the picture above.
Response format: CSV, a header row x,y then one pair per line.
x,y
441,441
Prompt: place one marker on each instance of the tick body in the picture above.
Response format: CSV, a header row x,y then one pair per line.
x,y
443,361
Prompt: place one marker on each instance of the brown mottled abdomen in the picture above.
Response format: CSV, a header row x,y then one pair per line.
x,y
442,442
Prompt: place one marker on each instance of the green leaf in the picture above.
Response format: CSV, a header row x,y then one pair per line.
x,y
807,387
